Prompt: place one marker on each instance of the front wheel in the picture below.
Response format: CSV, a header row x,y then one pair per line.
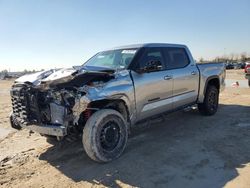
x,y
210,104
14,123
105,135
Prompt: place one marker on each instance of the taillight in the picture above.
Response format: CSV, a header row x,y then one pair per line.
x,y
247,67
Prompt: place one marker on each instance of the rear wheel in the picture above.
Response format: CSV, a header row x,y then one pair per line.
x,y
249,82
105,135
210,104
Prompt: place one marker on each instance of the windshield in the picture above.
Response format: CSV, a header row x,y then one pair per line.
x,y
113,59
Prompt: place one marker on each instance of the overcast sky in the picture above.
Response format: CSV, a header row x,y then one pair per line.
x,y
40,34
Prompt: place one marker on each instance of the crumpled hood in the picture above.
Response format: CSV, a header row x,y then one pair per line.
x,y
69,77
45,76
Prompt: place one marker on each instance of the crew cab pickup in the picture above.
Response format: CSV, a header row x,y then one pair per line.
x,y
112,91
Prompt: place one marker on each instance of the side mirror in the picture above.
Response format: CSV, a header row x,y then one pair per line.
x,y
152,66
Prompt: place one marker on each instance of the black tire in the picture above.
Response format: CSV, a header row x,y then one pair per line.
x,y
211,101
105,135
249,82
14,123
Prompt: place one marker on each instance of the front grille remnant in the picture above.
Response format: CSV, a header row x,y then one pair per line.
x,y
24,104
19,105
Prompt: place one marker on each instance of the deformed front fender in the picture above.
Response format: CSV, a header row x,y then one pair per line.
x,y
119,88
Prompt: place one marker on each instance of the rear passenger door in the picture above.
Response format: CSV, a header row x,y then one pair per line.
x,y
153,90
185,76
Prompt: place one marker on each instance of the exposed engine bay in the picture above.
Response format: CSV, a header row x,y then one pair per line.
x,y
59,101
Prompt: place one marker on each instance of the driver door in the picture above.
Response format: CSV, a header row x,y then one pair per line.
x,y
154,89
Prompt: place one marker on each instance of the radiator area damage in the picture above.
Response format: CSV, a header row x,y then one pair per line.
x,y
60,100
81,104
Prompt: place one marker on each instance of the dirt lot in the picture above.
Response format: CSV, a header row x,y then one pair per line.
x,y
183,149
236,74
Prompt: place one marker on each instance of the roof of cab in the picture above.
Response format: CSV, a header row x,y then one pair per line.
x,y
149,45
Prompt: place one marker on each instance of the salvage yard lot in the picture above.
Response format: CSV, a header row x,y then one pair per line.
x,y
182,149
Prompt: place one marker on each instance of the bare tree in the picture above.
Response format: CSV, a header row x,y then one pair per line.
x,y
201,60
243,56
4,71
236,57
231,57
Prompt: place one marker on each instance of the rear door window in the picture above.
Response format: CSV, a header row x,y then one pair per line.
x,y
176,58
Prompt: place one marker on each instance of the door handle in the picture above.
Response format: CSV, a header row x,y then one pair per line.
x,y
193,72
168,77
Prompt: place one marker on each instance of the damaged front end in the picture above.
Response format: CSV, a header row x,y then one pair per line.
x,y
55,105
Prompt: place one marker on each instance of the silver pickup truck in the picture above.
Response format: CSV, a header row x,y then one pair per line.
x,y
112,91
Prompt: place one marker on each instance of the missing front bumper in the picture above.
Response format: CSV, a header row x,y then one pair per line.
x,y
48,129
